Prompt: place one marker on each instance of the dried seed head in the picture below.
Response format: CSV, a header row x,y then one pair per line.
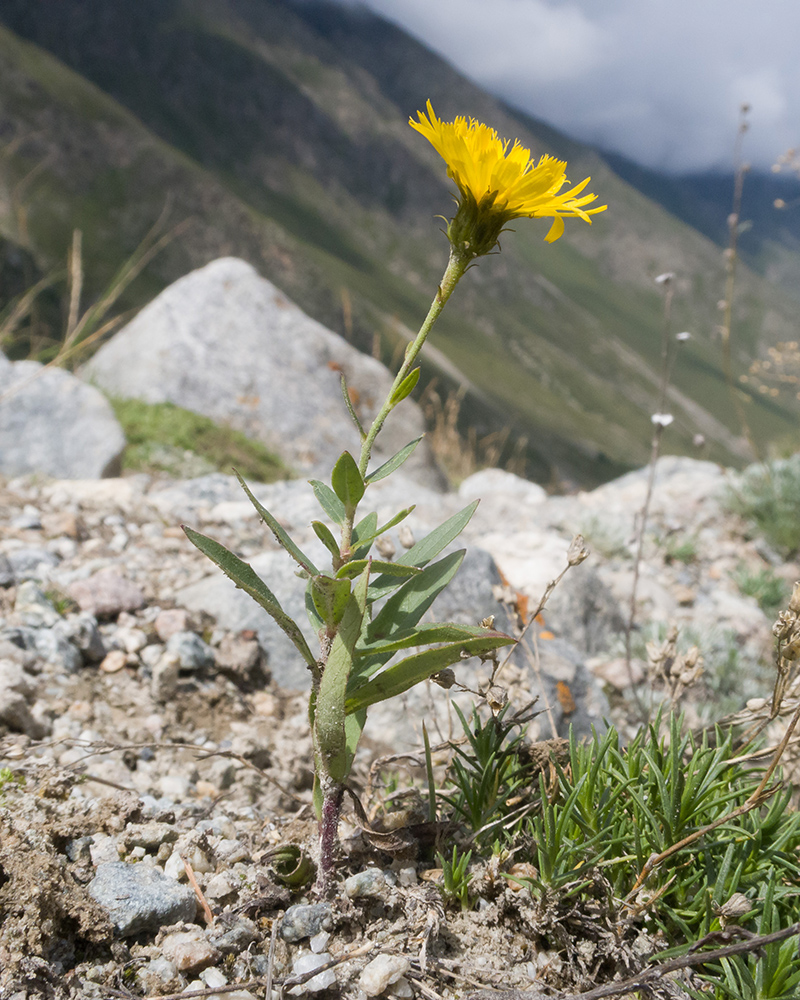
x,y
577,551
386,548
405,536
784,626
791,651
445,678
733,909
496,697
794,600
487,622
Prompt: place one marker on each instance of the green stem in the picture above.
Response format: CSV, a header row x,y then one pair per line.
x,y
456,266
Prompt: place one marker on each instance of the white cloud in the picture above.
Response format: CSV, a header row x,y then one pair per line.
x,y
660,82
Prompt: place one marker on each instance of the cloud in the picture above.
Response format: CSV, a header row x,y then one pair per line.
x,y
661,83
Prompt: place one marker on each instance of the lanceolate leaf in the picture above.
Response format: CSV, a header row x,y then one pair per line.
x,y
363,533
393,463
405,674
346,481
425,635
325,535
425,549
406,387
281,536
328,500
330,598
244,576
356,566
404,608
329,714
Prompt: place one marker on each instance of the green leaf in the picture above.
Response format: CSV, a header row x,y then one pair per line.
x,y
325,535
353,728
313,615
281,536
328,500
347,482
425,635
356,566
330,598
329,714
400,677
425,549
348,402
244,576
363,534
405,388
366,540
404,608
393,463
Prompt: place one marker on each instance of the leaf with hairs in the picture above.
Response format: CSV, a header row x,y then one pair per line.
x,y
328,500
280,534
244,576
393,463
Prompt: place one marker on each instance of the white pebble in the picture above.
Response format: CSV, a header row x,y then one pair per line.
x,y
319,942
307,961
382,972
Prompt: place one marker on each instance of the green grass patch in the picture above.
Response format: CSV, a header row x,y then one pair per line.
x,y
768,496
166,438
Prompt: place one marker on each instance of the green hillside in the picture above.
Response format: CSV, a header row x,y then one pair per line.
x,y
279,130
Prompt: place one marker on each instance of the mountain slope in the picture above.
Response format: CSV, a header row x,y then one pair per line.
x,y
280,129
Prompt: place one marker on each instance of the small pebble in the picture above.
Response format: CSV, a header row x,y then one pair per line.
x,y
370,883
305,920
307,961
382,972
114,661
189,950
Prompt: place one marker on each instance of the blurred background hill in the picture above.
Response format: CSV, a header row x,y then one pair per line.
x,y
277,131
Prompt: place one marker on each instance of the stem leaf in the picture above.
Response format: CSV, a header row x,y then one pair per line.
x,y
347,482
325,535
401,676
405,388
329,713
281,536
244,576
330,597
356,566
328,500
393,463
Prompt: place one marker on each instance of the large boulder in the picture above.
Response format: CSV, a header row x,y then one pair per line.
x,y
54,424
225,342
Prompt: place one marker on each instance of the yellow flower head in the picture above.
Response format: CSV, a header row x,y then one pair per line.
x,y
498,183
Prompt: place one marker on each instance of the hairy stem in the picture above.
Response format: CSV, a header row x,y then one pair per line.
x,y
456,266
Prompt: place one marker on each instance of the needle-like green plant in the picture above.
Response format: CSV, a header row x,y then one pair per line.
x,y
366,610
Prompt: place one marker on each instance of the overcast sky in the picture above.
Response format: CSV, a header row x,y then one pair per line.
x,y
660,82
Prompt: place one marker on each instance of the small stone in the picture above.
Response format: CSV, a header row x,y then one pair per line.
x,y
106,593
685,596
616,672
114,661
169,622
219,886
319,942
61,523
230,851
159,976
164,682
192,652
33,608
174,867
130,639
370,883
241,660
402,989
305,920
140,898
237,937
31,563
149,835
407,877
307,961
189,950
82,632
382,972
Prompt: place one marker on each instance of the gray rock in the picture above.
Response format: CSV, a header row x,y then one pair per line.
x,y
192,652
6,572
305,920
31,563
54,424
46,644
139,898
225,342
82,632
370,883
235,938
584,611
32,607
17,691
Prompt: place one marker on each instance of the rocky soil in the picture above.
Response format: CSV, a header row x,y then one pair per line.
x,y
154,748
